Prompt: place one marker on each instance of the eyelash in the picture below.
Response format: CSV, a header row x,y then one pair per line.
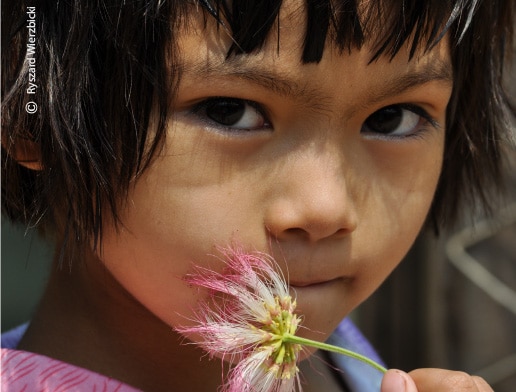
x,y
416,130
200,111
247,110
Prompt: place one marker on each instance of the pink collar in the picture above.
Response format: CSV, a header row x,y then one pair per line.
x,y
25,371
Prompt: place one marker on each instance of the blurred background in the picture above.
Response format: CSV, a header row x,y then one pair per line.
x,y
26,263
451,303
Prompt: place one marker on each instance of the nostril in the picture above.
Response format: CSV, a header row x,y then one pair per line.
x,y
315,233
297,231
343,231
311,219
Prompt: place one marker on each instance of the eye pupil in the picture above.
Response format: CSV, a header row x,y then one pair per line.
x,y
385,120
226,112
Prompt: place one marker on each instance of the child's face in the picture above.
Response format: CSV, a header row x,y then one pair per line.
x,y
303,161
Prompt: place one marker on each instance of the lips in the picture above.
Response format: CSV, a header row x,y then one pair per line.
x,y
307,267
295,284
321,305
302,275
316,282
310,294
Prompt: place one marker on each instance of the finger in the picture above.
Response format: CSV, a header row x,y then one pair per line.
x,y
481,384
428,380
396,380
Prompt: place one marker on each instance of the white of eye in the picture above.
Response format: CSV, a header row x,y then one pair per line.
x,y
250,119
409,121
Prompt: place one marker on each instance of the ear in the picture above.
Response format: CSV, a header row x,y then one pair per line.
x,y
26,152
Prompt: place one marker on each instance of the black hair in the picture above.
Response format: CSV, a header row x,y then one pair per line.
x,y
104,66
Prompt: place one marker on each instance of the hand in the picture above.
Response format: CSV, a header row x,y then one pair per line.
x,y
431,380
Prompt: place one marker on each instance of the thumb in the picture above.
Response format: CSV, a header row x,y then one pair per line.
x,y
397,381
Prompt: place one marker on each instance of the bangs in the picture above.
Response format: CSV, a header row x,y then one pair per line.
x,y
385,25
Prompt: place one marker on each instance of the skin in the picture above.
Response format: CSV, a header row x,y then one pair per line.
x,y
338,207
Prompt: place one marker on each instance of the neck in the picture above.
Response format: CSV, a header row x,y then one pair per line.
x,y
87,319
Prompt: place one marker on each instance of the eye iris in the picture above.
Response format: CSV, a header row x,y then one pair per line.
x,y
226,112
385,120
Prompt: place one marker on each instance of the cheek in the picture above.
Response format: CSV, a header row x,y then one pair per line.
x,y
149,272
171,222
394,207
154,248
404,184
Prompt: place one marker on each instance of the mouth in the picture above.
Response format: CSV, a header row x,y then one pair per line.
x,y
313,284
321,304
304,285
311,292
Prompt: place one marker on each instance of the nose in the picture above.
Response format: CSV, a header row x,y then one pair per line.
x,y
312,199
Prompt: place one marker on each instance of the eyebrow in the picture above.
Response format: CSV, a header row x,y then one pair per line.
x,y
438,71
288,87
280,84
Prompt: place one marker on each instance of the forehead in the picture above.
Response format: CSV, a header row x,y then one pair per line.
x,y
385,26
207,49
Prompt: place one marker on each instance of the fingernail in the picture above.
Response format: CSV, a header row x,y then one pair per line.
x,y
394,381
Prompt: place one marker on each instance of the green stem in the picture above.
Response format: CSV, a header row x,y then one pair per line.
x,y
288,338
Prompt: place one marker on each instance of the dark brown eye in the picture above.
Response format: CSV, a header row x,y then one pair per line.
x,y
392,120
232,113
226,112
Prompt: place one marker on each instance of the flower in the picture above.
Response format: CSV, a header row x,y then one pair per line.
x,y
251,321
248,321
